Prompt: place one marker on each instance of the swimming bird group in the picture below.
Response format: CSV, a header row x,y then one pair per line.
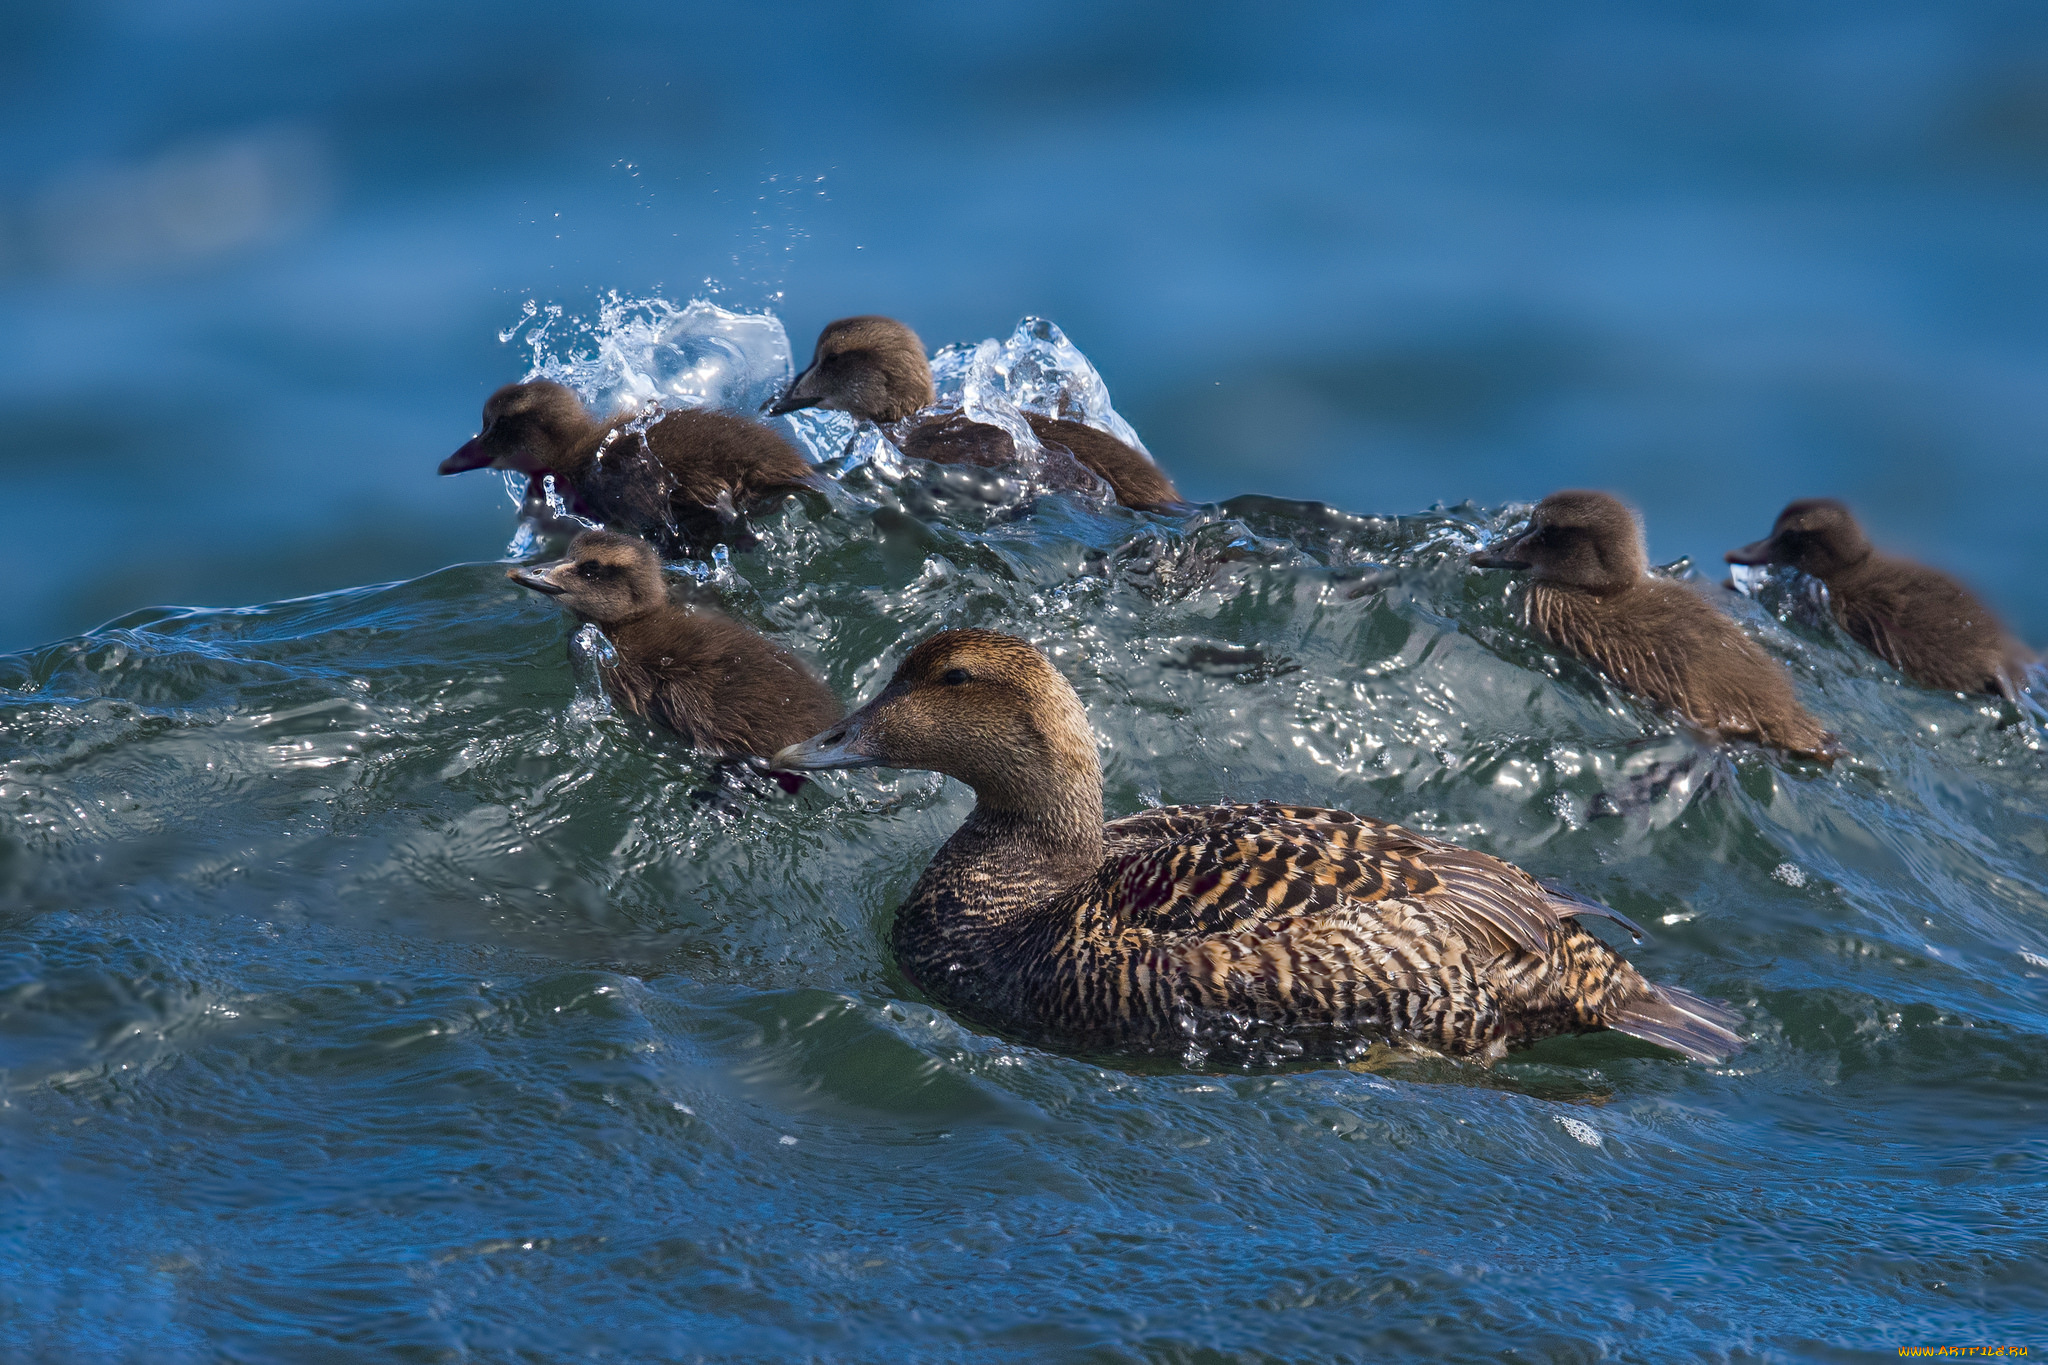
x,y
1270,929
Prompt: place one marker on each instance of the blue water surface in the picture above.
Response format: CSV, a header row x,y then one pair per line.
x,y
370,991
254,259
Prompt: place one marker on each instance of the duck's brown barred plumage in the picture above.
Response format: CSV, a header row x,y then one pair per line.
x,y
1313,931
1217,923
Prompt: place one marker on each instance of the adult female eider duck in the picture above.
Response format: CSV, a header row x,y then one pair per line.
x,y
725,688
1593,595
685,478
1917,619
874,368
1267,927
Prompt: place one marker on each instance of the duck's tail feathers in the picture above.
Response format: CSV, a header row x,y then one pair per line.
x,y
1670,1017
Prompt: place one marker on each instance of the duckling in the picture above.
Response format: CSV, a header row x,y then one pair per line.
x,y
722,686
1288,928
692,470
874,368
1917,619
1594,597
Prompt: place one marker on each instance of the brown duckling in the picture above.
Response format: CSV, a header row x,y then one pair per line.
x,y
1593,596
685,478
875,369
722,686
1917,619
1284,928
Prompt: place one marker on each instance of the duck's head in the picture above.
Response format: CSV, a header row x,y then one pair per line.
x,y
987,709
1580,539
605,577
1815,535
872,367
527,427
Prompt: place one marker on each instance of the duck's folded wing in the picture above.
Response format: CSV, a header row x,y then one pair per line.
x,y
1221,869
1571,905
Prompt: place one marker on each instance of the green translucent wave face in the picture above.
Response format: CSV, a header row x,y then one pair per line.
x,y
368,985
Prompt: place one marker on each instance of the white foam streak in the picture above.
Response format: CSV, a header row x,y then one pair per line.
x,y
640,352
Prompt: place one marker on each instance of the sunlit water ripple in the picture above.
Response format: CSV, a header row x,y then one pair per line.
x,y
371,988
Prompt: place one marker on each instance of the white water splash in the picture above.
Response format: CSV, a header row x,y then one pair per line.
x,y
717,569
646,353
640,352
1045,372
1582,1130
1036,370
1748,578
974,379
590,653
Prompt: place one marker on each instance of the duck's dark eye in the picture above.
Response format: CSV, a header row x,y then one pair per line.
x,y
591,569
954,677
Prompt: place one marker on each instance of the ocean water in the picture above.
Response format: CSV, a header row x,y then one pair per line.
x,y
371,990
255,259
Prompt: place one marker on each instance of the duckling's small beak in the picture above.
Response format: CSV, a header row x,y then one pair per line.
x,y
472,455
1504,555
792,397
838,747
536,579
1756,552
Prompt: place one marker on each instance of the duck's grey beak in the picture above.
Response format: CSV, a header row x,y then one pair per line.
x,y
1756,552
536,578
1507,554
472,455
840,746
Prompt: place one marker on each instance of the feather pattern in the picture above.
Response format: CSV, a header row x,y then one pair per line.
x,y
1665,642
1239,923
1927,625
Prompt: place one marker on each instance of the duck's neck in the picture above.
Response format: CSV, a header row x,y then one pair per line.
x,y
1016,850
1063,833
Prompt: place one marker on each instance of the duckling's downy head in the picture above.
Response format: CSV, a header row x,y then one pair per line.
x,y
606,577
1577,538
872,367
1815,535
527,427
985,708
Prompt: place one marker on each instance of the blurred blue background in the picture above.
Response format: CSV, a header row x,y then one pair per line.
x,y
255,258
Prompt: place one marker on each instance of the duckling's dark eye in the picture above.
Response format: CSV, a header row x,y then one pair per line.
x,y
590,568
954,677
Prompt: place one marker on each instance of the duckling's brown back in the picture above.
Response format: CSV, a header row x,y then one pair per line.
x,y
719,684
708,453
1136,481
958,439
1927,625
1664,641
